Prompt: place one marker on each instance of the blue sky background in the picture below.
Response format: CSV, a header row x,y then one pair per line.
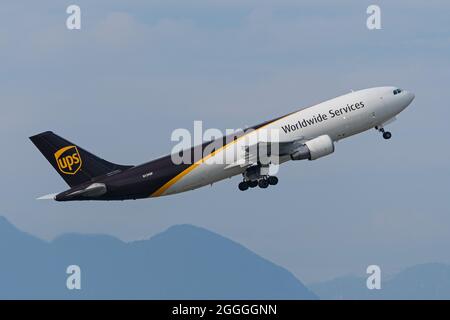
x,y
137,70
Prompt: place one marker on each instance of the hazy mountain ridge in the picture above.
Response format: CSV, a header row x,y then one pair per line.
x,y
423,281
183,262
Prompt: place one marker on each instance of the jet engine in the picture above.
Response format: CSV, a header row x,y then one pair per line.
x,y
314,148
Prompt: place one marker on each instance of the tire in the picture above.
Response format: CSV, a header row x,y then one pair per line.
x,y
253,183
272,180
263,183
243,186
387,135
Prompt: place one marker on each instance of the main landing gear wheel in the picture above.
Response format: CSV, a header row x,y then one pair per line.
x,y
243,186
272,180
253,183
263,183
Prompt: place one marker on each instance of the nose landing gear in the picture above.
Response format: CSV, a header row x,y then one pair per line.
x,y
386,134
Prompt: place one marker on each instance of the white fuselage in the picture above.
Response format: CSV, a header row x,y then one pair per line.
x,y
338,118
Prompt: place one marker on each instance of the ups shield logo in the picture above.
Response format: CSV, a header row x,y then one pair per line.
x,y
68,160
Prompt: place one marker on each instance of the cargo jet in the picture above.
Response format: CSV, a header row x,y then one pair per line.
x,y
307,134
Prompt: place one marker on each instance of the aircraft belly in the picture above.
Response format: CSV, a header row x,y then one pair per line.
x,y
202,175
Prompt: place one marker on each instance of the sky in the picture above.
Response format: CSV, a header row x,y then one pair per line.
x,y
138,70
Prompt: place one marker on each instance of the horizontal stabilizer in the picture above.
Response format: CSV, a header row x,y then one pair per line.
x,y
50,196
94,190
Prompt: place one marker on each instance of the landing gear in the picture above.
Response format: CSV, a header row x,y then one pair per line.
x,y
243,186
253,183
257,176
263,183
386,134
272,180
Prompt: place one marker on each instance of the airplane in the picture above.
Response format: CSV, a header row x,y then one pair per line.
x,y
306,134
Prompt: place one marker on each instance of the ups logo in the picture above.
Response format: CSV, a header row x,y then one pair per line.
x,y
68,160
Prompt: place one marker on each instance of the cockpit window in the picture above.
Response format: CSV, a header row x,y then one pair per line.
x,y
396,91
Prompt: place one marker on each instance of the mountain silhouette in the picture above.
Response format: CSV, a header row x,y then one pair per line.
x,y
183,262
423,281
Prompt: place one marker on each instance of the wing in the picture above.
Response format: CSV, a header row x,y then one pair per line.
x,y
266,152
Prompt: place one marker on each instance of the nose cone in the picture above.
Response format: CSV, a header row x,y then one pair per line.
x,y
405,99
410,96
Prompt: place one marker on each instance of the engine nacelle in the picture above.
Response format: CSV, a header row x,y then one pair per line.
x,y
314,149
